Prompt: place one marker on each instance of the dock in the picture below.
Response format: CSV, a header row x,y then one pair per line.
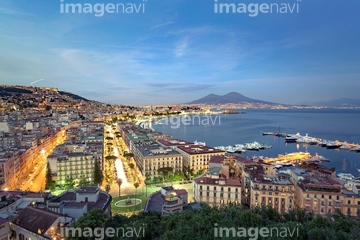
x,y
293,158
330,144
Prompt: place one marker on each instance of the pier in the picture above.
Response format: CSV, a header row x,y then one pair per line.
x,y
330,144
242,148
292,158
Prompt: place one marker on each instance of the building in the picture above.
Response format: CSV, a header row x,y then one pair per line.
x,y
150,159
238,165
275,191
351,200
4,229
35,223
218,186
76,203
319,195
75,165
167,201
197,157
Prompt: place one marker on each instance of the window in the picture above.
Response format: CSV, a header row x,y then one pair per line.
x,y
315,196
214,194
330,203
349,202
322,196
337,197
329,196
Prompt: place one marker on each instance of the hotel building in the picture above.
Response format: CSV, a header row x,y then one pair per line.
x,y
150,159
197,157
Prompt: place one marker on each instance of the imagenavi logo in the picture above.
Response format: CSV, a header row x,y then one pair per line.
x,y
253,9
99,9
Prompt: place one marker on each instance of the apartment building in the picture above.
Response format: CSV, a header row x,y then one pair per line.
x,y
351,200
319,195
218,186
275,191
75,165
150,159
197,157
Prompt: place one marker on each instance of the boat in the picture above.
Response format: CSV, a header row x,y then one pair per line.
x,y
345,147
199,143
318,158
292,138
346,176
332,145
323,143
355,149
269,133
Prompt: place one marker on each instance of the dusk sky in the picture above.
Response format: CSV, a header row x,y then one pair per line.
x,y
176,51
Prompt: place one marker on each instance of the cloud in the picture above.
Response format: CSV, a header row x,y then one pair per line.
x,y
181,47
162,25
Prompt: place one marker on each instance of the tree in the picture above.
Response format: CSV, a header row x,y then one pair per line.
x,y
165,171
114,120
69,183
136,185
128,156
83,181
98,176
119,182
107,188
92,219
49,181
111,159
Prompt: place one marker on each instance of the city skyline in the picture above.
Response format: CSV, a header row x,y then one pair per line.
x,y
179,51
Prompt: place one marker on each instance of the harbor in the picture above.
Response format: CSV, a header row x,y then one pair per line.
x,y
329,144
242,148
291,159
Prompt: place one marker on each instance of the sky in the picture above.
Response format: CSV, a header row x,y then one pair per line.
x,y
176,51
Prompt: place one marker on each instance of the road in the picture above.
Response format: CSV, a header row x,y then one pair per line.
x,y
36,180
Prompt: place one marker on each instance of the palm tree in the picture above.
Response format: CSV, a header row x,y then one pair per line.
x,y
107,188
119,182
136,185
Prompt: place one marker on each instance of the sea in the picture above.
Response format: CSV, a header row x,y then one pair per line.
x,y
230,129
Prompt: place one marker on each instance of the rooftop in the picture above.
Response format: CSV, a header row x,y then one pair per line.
x,y
36,220
199,149
157,150
174,142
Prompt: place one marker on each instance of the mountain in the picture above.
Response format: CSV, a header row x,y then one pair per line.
x,y
341,102
232,97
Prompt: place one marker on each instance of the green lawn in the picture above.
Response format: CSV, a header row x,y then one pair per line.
x,y
130,209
